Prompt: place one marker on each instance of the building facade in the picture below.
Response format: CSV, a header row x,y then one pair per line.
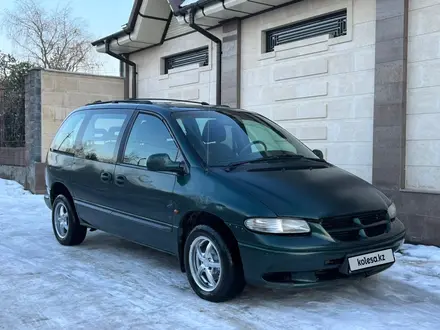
x,y
358,79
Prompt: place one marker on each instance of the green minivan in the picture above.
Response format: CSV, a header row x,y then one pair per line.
x,y
233,195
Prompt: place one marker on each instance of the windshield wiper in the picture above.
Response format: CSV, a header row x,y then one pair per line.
x,y
233,166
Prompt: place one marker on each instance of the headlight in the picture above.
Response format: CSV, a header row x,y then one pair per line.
x,y
278,226
392,212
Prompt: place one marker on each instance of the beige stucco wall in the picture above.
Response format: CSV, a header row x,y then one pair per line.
x,y
423,107
62,92
187,83
320,89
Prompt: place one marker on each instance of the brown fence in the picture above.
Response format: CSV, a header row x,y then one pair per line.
x,y
13,156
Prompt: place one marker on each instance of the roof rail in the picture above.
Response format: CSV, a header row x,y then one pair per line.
x,y
165,100
146,101
120,101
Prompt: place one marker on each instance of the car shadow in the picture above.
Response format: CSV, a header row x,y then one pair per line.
x,y
372,291
112,244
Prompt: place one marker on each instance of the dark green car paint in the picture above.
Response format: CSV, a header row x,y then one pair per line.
x,y
149,207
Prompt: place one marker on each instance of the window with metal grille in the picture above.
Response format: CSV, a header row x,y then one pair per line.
x,y
334,24
200,56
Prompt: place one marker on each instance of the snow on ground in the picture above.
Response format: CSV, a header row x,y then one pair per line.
x,y
108,283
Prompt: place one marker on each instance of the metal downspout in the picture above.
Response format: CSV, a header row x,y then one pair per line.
x,y
208,35
130,63
127,81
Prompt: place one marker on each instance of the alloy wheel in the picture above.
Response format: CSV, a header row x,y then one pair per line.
x,y
61,220
205,263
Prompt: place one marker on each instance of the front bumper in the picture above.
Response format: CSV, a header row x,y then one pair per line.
x,y
264,266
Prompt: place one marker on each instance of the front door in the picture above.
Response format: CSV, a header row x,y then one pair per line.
x,y
145,198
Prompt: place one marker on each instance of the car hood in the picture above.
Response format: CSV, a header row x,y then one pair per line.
x,y
309,193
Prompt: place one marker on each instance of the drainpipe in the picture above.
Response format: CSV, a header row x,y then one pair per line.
x,y
208,35
121,69
128,63
127,81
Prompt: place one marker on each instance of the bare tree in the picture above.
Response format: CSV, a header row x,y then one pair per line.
x,y
51,39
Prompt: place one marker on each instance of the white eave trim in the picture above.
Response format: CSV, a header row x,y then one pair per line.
x,y
219,11
153,19
149,29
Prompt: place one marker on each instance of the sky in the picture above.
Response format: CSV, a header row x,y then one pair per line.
x,y
104,17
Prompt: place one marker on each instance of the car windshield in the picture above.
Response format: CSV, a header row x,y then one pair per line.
x,y
225,137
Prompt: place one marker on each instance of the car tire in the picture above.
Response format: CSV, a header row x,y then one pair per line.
x,y
65,223
215,275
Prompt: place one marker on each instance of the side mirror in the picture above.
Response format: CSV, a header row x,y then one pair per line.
x,y
318,153
163,162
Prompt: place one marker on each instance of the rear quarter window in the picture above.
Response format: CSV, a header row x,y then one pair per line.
x,y
65,138
100,138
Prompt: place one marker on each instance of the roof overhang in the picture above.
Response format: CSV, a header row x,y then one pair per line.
x,y
146,27
210,13
150,19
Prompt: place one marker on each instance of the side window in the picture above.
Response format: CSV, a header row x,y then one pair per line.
x,y
148,136
64,140
100,136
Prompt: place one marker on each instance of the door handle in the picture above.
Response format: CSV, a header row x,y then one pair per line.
x,y
120,180
106,177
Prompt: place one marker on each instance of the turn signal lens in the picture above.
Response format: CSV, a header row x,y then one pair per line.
x,y
392,211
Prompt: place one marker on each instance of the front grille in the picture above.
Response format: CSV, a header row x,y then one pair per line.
x,y
357,226
377,230
346,236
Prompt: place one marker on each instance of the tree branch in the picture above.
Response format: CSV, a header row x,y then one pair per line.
x,y
53,39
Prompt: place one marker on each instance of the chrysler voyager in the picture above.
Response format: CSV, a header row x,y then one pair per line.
x,y
233,195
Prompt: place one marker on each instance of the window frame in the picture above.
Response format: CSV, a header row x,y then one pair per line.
x,y
269,48
86,121
166,59
126,136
